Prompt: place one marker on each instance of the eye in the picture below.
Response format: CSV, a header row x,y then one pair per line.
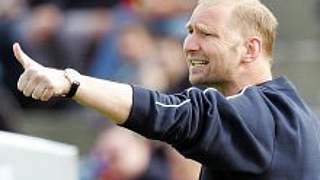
x,y
205,34
210,35
190,30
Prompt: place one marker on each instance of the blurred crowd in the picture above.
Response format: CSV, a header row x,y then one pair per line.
x,y
131,41
122,40
120,154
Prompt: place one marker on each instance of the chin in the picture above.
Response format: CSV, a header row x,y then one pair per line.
x,y
197,81
205,82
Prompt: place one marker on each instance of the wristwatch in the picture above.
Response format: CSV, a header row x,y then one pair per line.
x,y
73,77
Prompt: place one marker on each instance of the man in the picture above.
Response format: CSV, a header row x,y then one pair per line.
x,y
254,128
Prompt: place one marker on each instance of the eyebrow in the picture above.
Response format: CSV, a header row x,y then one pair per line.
x,y
199,26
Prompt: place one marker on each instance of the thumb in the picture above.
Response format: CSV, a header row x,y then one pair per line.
x,y
22,58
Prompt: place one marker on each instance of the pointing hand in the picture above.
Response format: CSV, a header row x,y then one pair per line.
x,y
38,81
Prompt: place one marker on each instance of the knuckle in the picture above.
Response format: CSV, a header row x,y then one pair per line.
x,y
34,96
25,93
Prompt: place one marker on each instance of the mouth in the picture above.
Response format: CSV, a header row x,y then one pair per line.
x,y
198,62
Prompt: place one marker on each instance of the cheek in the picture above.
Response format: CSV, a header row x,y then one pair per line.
x,y
222,57
216,52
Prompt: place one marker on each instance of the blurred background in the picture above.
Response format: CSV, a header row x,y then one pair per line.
x,y
132,41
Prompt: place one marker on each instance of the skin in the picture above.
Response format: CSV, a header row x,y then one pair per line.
x,y
232,62
230,59
111,99
210,40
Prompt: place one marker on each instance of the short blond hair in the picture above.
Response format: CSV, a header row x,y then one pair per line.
x,y
253,18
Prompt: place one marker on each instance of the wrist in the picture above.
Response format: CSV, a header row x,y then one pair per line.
x,y
73,82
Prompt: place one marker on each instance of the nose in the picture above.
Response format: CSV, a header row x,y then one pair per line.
x,y
191,44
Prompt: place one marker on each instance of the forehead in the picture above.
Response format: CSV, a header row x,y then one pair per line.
x,y
210,16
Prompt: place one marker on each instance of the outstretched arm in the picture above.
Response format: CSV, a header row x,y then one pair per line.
x,y
202,125
114,100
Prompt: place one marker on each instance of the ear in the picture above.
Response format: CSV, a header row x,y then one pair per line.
x,y
253,49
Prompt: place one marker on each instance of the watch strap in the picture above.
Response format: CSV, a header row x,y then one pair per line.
x,y
72,76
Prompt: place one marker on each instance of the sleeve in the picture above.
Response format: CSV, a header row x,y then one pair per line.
x,y
234,133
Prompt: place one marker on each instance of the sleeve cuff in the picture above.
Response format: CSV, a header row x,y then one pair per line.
x,y
140,110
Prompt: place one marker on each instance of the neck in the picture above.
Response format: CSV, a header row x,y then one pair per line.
x,y
247,78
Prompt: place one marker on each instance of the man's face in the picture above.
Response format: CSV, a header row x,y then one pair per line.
x,y
212,47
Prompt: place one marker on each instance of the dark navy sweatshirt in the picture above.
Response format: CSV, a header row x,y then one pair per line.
x,y
265,132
